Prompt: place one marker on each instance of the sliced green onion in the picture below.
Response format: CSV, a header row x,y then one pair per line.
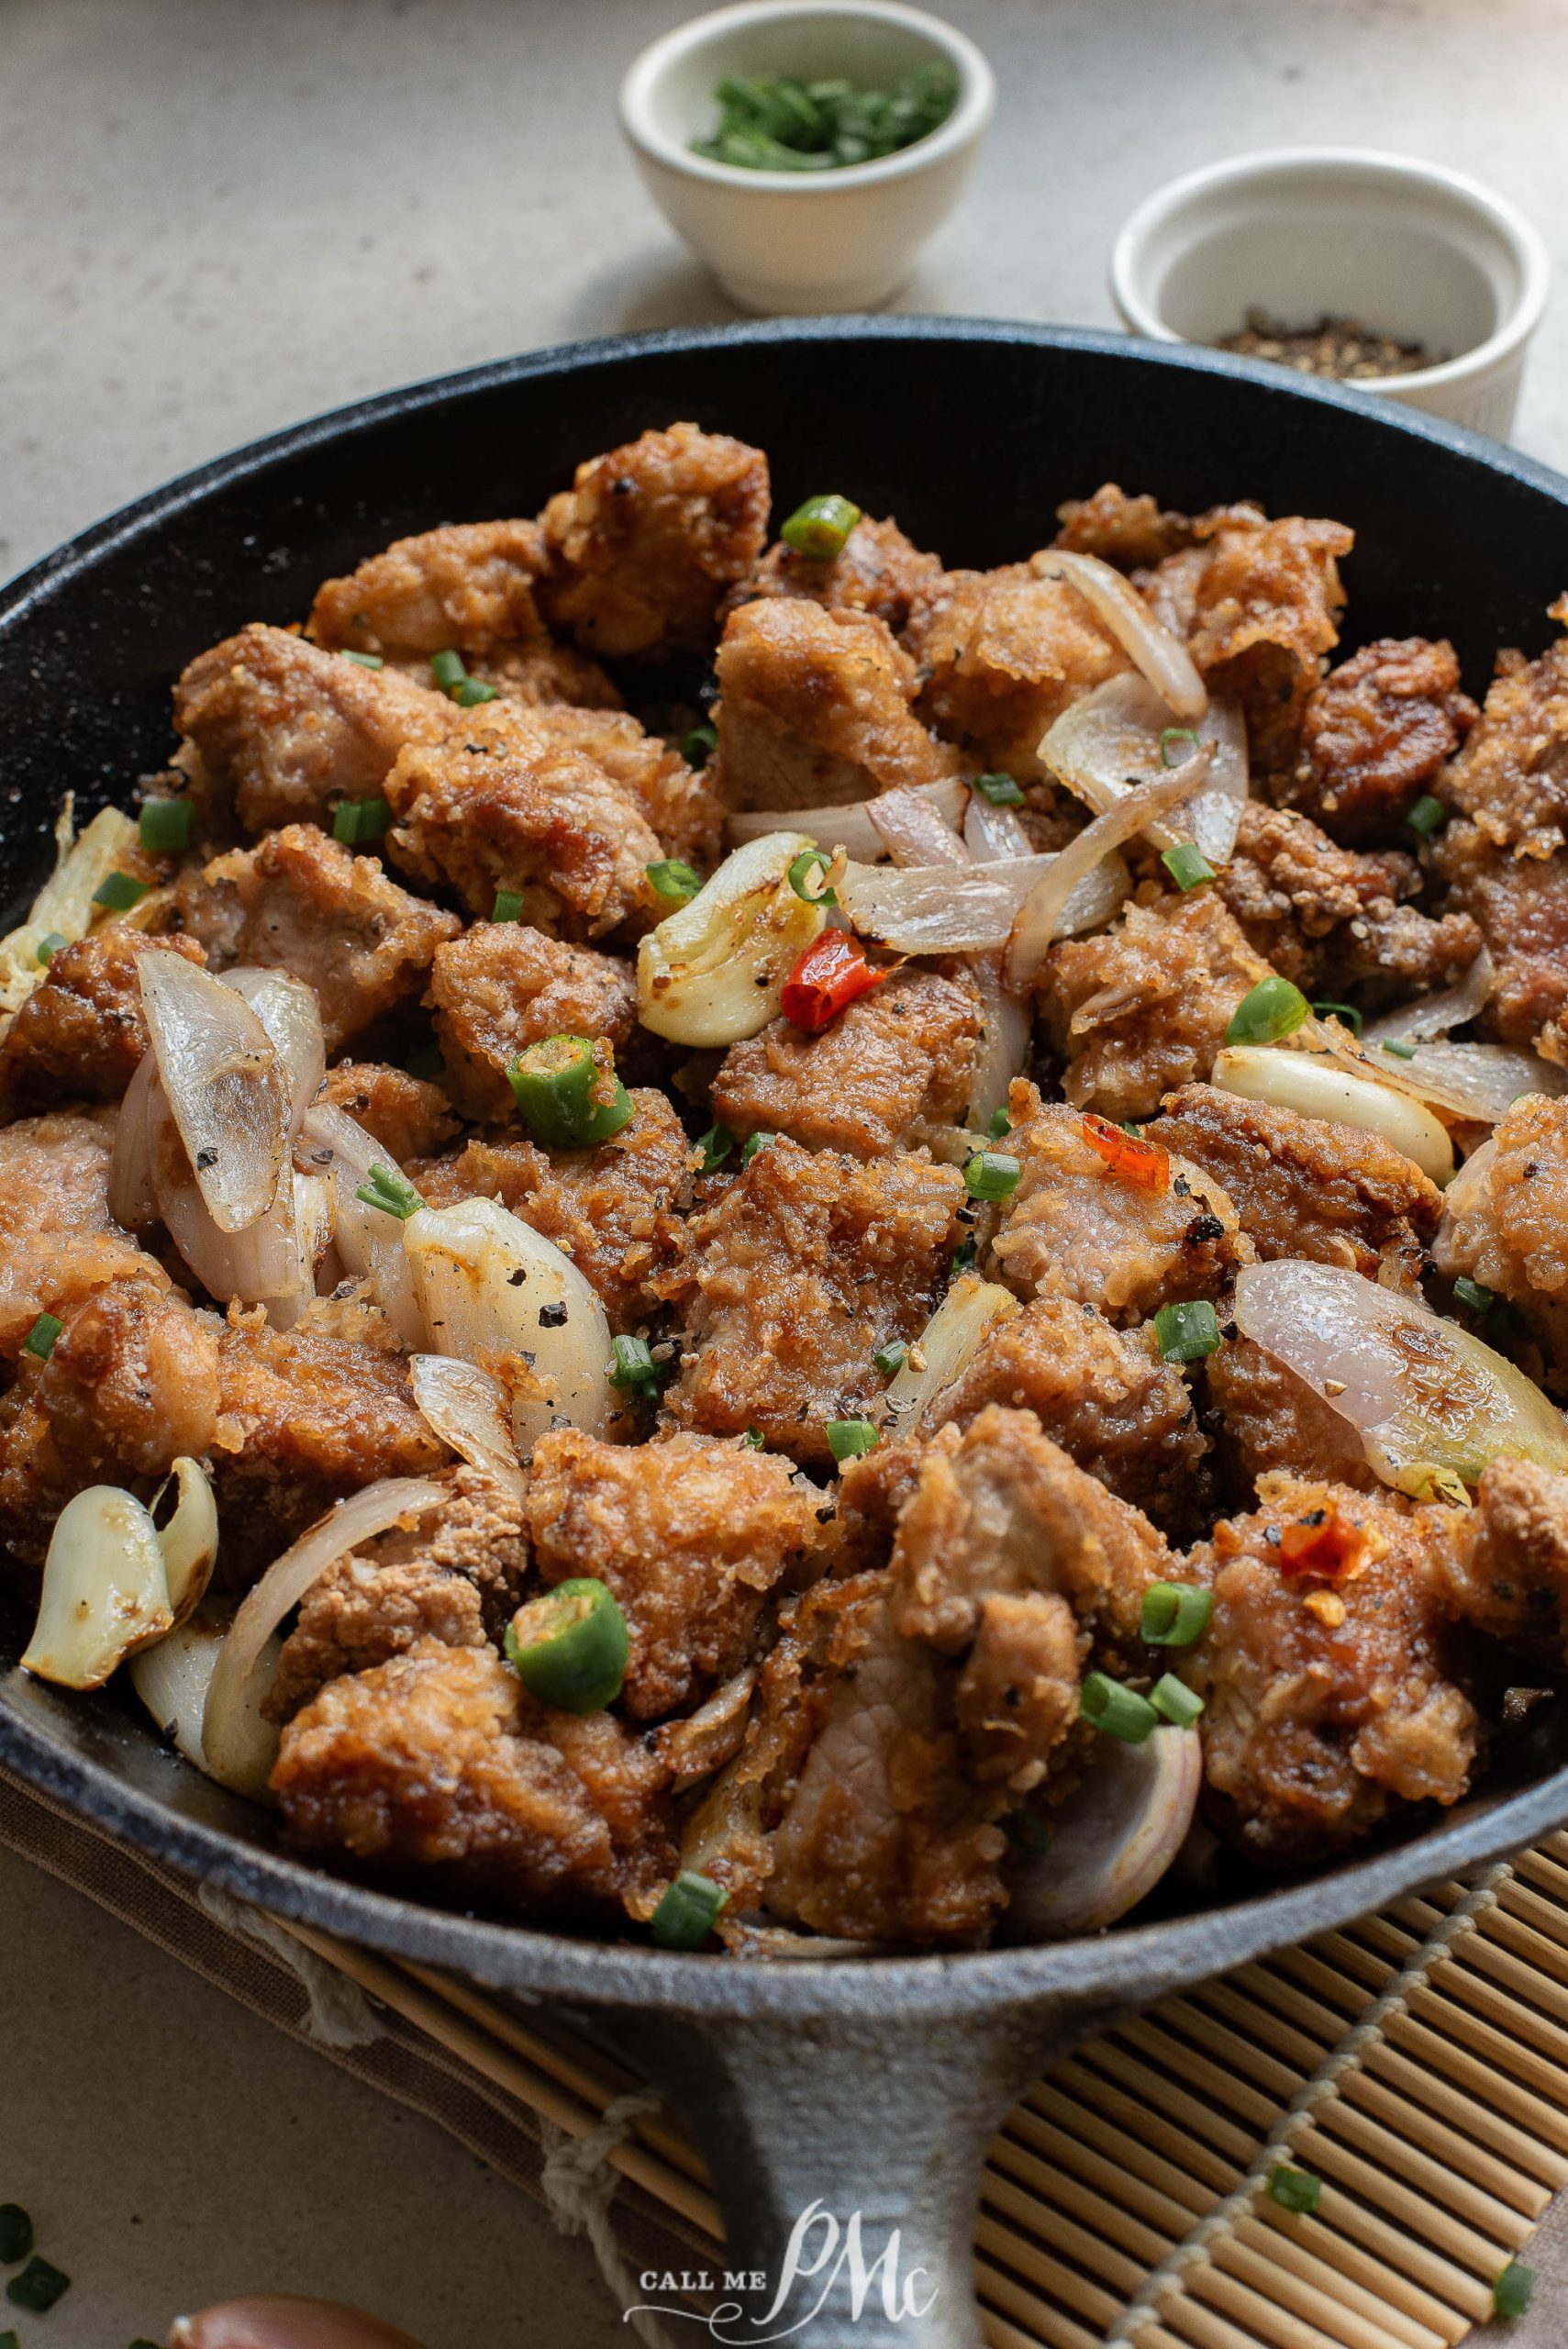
x,y
570,1647
1399,1051
1174,1614
1174,1701
819,527
120,892
15,2233
1169,734
1186,1332
964,1254
472,691
360,819
164,824
752,1144
688,1911
716,1146
1511,2292
672,879
393,1193
1266,1012
366,659
699,746
890,1359
49,945
38,2287
847,1439
1118,1710
1346,1013
508,906
1294,2189
992,1174
1474,1294
999,789
39,1340
1428,815
1000,1124
1187,865
425,1061
807,878
564,1096
448,670
754,1439
632,1366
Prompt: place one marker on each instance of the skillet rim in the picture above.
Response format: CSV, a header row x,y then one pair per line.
x,y
1133,1963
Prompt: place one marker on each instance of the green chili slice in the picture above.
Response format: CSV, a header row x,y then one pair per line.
x,y
164,824
819,527
1175,1614
1118,1710
687,1913
568,1094
1266,1012
569,1648
807,878
1186,1332
120,892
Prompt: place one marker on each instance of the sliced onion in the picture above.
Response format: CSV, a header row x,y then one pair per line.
x,y
66,906
1479,1082
993,834
1007,1025
225,1086
848,825
189,1541
105,1590
946,1347
131,1199
291,1015
1422,1394
1215,815
1435,1015
1107,739
1039,918
1112,1839
495,1292
369,1242
260,1264
940,909
707,1739
1148,643
714,971
913,830
174,1680
1316,1086
227,1736
467,1408
279,2321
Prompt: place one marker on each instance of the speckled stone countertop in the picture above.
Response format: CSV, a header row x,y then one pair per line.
x,y
222,215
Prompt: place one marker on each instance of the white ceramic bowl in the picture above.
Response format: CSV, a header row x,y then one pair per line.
x,y
1408,248
843,240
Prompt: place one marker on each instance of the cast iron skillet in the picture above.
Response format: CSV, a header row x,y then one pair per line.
x,y
866,2086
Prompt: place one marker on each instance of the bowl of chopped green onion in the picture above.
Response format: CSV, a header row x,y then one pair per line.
x,y
807,152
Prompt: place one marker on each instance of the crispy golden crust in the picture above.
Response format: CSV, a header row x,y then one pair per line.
x,y
1503,1565
57,1241
677,802
1077,1228
690,1533
1511,778
1130,532
1271,1419
407,1116
1506,1220
802,1268
645,542
438,1761
1521,906
1143,1008
503,986
300,902
1375,733
1304,1186
814,709
1325,916
543,677
465,587
878,570
1001,653
884,1075
80,1033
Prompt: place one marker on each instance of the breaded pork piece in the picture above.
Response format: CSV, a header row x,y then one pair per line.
x,y
612,1208
689,1532
1001,653
80,1033
644,543
519,812
1143,1006
1130,532
289,727
1331,1694
298,901
803,1267
678,802
1077,1228
1511,778
877,570
503,986
1502,1567
1330,918
465,587
57,1240
438,1760
1521,907
1373,734
884,1075
408,1115
1305,1186
814,709
1271,1419
1504,1220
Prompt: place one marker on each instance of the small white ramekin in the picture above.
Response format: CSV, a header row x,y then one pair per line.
x,y
1407,248
799,241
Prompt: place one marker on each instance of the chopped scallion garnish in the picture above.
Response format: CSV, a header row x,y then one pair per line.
x,y
1000,1124
890,1359
688,1911
360,819
964,1254
1118,1710
393,1193
568,1094
1511,2292
365,660
472,691
699,745
716,1146
1428,815
1174,1614
999,789
49,945
1266,1012
1187,865
1187,1331
674,881
633,1368
448,670
15,2233
1474,1294
570,1647
1345,1013
120,892
164,824
1174,1701
1174,734
754,1439
39,1340
992,1174
847,1439
1294,2189
1398,1052
508,906
819,527
752,1144
38,2287
808,877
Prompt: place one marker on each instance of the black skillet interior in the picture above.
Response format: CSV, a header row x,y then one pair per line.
x,y
971,433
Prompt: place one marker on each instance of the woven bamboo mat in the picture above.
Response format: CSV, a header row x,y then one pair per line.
x,y
1418,2063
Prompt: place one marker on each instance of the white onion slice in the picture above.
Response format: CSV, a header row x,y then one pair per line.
x,y
1315,1086
189,1541
1108,739
467,1408
913,830
848,824
1421,1393
227,1736
1112,1839
131,1199
1435,1015
174,1680
946,1346
289,1012
1148,643
279,2321
1008,1023
225,1086
1039,918
105,1590
67,905
260,1264
714,971
1479,1082
940,909
992,834
369,1241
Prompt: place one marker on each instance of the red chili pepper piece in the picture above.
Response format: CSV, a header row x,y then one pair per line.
x,y
1143,1163
830,975
1325,1547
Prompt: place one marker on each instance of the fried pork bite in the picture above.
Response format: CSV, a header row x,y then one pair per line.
x,y
1142,1007
57,1241
1132,533
689,1532
613,1209
814,709
408,1115
802,1268
1373,735
1502,1567
886,1074
1521,908
80,1034
677,801
440,1761
644,544
1328,917
1305,1186
503,986
519,812
287,727
455,1576
300,902
1124,1239
467,587
877,570
1000,654
1511,778
1271,1419
1506,1221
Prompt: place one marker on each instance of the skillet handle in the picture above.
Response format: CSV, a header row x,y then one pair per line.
x,y
845,2152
